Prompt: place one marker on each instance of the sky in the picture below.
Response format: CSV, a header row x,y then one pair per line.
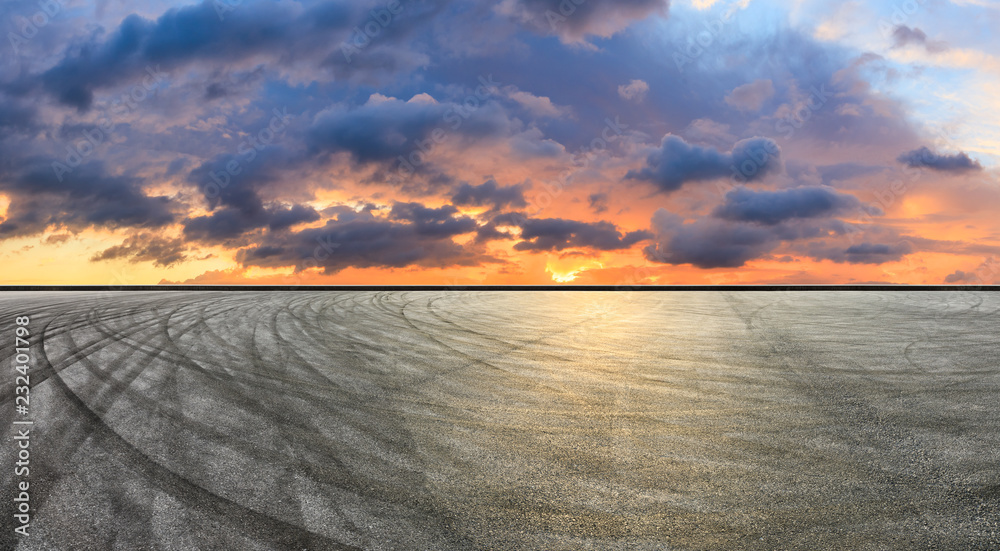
x,y
625,142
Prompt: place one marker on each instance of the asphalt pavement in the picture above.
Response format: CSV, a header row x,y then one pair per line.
x,y
460,420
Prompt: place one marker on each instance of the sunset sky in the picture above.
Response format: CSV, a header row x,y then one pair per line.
x,y
513,142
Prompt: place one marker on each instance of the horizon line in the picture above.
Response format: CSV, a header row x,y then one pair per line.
x,y
617,288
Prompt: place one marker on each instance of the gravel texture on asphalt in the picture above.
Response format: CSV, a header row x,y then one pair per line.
x,y
507,420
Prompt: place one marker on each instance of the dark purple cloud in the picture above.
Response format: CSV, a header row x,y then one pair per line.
x,y
925,158
987,273
237,179
404,133
230,223
677,162
284,218
185,35
774,207
146,248
489,193
903,35
219,33
233,185
598,202
413,235
86,196
438,222
556,234
707,243
574,19
16,115
958,276
862,253
711,242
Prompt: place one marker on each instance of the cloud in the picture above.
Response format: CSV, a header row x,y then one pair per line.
x,y
539,106
85,197
184,35
489,194
252,170
235,199
635,90
556,234
412,235
224,224
958,276
16,116
573,20
707,243
677,162
903,36
925,158
223,34
712,242
384,129
750,97
146,248
863,253
987,273
284,218
349,132
229,223
598,202
707,131
532,144
58,238
774,207
436,222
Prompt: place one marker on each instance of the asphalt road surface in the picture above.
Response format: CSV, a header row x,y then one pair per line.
x,y
491,420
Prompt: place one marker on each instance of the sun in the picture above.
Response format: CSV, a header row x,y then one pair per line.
x,y
564,277
563,272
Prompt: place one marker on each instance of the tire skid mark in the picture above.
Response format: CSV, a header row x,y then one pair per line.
x,y
49,332
122,389
174,351
392,442
274,412
341,476
262,526
473,360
